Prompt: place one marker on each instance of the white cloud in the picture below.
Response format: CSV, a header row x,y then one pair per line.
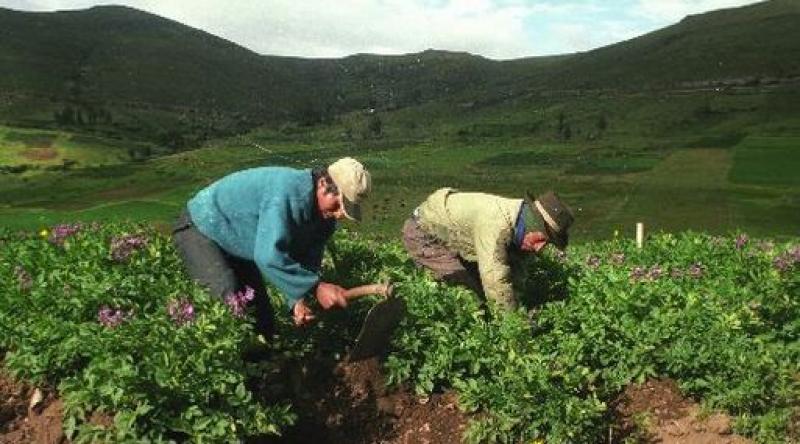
x,y
671,11
574,37
322,28
499,29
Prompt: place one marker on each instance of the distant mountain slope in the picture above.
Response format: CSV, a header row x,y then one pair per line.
x,y
755,41
120,55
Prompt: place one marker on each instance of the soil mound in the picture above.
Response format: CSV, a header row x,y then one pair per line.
x,y
657,412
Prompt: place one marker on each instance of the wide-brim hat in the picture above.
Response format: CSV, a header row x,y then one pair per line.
x,y
354,184
555,215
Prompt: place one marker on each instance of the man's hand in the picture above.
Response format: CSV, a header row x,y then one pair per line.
x,y
302,313
330,295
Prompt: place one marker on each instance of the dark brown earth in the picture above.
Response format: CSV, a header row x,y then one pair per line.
x,y
41,153
349,403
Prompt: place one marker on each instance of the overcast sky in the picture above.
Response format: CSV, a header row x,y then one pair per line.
x,y
498,29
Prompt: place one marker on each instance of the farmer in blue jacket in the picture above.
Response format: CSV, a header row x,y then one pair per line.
x,y
271,222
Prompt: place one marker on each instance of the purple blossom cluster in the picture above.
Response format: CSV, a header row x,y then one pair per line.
x,y
696,270
617,258
741,241
24,278
765,246
788,260
642,273
592,261
655,272
717,241
181,311
111,318
122,247
59,233
237,302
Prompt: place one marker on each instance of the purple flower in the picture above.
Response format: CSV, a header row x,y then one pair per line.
x,y
782,263
237,302
637,273
111,318
766,246
741,241
61,232
592,261
122,247
655,272
696,270
786,261
181,311
24,278
617,258
795,253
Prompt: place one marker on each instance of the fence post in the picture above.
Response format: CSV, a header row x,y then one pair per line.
x,y
639,234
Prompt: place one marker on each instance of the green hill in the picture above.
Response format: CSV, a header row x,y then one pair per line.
x,y
749,44
653,129
127,63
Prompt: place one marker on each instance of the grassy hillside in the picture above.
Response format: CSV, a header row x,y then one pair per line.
x,y
746,45
710,181
684,143
113,66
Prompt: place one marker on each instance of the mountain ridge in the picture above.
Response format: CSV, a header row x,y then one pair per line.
x,y
126,61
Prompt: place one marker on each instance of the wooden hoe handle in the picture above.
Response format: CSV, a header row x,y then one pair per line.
x,y
364,290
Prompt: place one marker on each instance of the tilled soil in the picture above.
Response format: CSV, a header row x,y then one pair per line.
x,y
21,423
656,412
349,403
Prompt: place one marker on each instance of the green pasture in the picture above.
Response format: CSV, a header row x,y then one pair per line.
x,y
767,161
42,149
611,184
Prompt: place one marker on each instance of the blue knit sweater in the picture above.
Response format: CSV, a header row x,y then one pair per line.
x,y
268,215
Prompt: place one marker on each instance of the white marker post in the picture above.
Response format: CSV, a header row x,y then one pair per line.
x,y
639,234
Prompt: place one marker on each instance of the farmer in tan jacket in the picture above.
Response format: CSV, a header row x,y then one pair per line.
x,y
472,238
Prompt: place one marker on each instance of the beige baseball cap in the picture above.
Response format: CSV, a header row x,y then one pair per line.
x,y
354,184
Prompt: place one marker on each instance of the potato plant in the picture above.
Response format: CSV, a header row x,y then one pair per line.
x,y
106,315
721,315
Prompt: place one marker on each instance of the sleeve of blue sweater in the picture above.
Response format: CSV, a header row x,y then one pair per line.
x,y
273,238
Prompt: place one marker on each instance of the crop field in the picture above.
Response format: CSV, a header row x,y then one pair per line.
x,y
104,314
612,184
36,150
96,306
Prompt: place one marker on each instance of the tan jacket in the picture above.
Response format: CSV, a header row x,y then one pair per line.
x,y
480,228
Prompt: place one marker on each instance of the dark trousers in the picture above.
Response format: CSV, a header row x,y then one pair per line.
x,y
220,272
446,265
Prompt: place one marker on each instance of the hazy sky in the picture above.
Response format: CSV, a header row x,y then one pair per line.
x,y
498,29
